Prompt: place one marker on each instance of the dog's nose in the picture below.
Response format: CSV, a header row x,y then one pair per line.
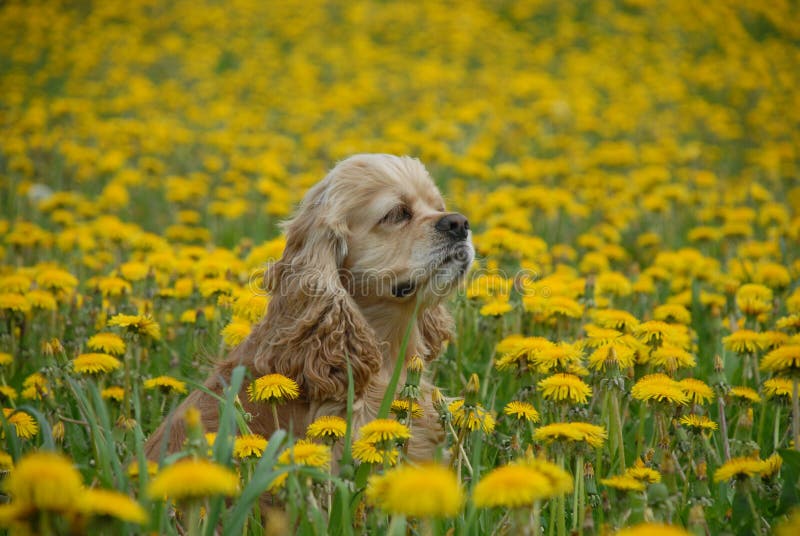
x,y
455,225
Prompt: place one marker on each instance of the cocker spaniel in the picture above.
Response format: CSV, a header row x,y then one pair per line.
x,y
368,245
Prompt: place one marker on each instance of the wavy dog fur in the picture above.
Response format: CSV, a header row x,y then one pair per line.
x,y
375,224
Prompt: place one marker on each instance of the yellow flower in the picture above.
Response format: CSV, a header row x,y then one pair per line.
x,y
368,452
672,313
739,468
471,417
45,481
753,299
783,360
790,526
193,478
251,307
24,425
273,388
565,388
56,279
615,319
107,503
592,434
250,445
612,284
41,299
115,393
110,343
496,307
328,427
556,357
653,529
616,353
137,324
95,363
698,423
743,341
380,430
522,411
150,466
236,331
654,332
166,384
698,391
35,386
7,393
745,394
772,466
14,302
660,388
778,387
401,408
623,483
5,359
640,471
112,286
519,485
417,491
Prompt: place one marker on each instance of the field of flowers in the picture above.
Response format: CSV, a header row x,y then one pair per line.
x,y
628,345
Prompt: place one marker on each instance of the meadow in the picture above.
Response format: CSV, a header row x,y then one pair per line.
x,y
627,347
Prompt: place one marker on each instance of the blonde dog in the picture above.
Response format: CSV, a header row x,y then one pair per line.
x,y
368,245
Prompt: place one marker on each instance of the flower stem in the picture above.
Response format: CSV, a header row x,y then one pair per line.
x,y
795,413
578,507
275,416
616,414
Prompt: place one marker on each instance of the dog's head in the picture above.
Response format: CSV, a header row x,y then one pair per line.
x,y
372,238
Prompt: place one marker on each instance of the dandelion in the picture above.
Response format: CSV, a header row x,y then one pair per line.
x,y
739,468
403,408
14,302
42,300
496,307
236,332
520,484
305,453
556,357
249,446
150,466
56,279
165,384
471,417
426,491
8,393
745,394
369,452
565,388
192,478
110,343
659,388
615,319
623,483
522,411
778,387
107,503
35,386
782,360
380,430
45,481
24,425
94,363
572,432
141,325
654,332
653,529
753,299
327,427
115,393
698,391
698,423
673,313
5,359
640,471
273,388
743,341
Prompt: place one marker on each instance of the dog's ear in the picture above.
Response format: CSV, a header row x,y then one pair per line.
x,y
312,324
435,327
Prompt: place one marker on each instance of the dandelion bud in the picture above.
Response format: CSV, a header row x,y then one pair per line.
x,y
472,391
719,365
58,431
416,364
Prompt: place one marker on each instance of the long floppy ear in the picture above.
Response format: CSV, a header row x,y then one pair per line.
x,y
435,326
312,324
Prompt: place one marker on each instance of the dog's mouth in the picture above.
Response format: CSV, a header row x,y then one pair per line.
x,y
447,267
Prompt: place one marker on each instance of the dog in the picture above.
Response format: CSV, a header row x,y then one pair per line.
x,y
370,248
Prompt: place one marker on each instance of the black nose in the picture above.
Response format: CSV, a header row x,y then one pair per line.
x,y
455,225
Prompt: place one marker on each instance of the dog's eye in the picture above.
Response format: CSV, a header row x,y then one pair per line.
x,y
398,214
